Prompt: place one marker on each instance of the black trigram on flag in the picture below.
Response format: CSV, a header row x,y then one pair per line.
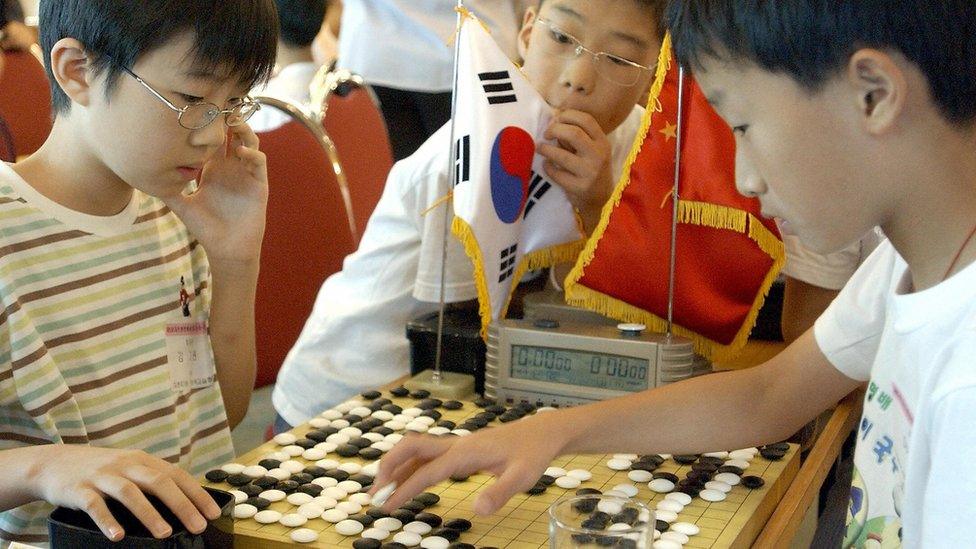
x,y
507,266
462,160
498,87
537,189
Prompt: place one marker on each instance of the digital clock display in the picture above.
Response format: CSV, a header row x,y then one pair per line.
x,y
580,368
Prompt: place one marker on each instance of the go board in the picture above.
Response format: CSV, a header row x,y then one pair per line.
x,y
523,522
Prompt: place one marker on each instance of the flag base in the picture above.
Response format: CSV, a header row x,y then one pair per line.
x,y
450,385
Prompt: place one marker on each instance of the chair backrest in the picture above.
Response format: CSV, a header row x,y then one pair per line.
x,y
309,232
25,100
351,115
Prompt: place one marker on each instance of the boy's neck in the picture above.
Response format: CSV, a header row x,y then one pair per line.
x,y
65,171
930,224
289,55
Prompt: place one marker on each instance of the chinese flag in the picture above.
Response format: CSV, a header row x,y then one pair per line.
x,y
727,255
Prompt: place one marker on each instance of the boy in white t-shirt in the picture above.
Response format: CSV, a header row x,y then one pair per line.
x,y
847,115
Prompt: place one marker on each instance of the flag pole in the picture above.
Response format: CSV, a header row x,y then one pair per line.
x,y
436,374
675,196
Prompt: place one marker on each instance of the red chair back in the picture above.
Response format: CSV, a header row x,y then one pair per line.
x,y
25,100
307,237
353,120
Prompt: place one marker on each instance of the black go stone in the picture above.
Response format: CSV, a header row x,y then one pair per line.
x,y
413,506
587,505
460,545
692,491
652,457
480,422
377,513
717,462
382,402
260,503
536,489
661,526
372,422
508,418
605,541
317,436
470,426
526,407
447,424
730,469
420,394
363,426
648,466
699,476
627,516
459,478
430,403
487,416
338,474
429,519
705,467
752,482
669,476
597,521
287,486
306,443
484,402
428,499
362,479
434,414
251,490
269,464
449,534
367,543
351,418
588,492
772,454
405,516
371,453
360,442
781,446
376,405
364,519
547,480
382,430
265,482
400,391
347,450
371,395
393,545
583,539
625,543
685,459
393,409
453,405
217,475
315,471
311,489
302,478
240,479
496,409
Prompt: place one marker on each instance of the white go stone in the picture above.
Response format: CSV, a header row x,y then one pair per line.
x,y
293,466
616,494
712,495
277,456
331,414
409,539
348,405
640,476
627,489
255,471
680,497
371,469
272,495
245,511
361,411
373,437
628,457
438,431
349,507
389,524
670,505
351,432
619,526
325,502
335,493
619,464
304,535
744,455
666,516
384,446
362,498
239,497
418,527
285,439
319,422
568,482
665,456
426,419
403,418
393,437
325,482
719,455
461,432
299,498
233,468
666,544
293,450
609,507
661,485
413,412
293,520
350,486
434,542
311,510
740,463
327,463
395,425
349,527
581,474
545,409
731,479
378,534
337,438
350,467
383,415
685,528
327,447
340,423
416,427
675,536
718,485
334,516
314,454
267,516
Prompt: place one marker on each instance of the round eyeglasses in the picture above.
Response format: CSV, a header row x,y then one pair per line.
x,y
616,69
196,116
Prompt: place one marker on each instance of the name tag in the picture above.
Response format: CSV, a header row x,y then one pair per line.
x,y
191,362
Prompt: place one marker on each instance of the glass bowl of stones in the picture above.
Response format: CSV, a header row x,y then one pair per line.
x,y
598,520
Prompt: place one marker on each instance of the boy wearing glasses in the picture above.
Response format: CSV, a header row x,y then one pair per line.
x,y
592,61
127,331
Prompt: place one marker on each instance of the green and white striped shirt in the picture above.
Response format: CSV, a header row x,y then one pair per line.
x,y
85,304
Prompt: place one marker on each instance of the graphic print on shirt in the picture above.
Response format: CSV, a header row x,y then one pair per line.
x,y
184,298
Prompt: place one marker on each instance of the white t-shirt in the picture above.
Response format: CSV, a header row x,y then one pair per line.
x,y
916,442
406,44
355,339
831,271
291,83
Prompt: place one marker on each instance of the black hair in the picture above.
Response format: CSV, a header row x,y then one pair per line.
x,y
231,37
300,20
812,40
656,8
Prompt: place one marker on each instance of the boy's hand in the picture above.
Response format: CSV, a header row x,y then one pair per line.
x,y
580,163
516,454
81,477
227,212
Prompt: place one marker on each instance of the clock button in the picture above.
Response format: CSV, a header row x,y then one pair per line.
x,y
546,323
631,329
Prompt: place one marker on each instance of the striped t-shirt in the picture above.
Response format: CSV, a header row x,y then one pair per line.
x,y
85,304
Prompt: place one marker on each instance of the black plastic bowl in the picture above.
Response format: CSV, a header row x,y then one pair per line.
x,y
71,529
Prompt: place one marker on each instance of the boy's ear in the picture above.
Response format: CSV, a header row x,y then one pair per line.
x,y
70,64
880,88
528,23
